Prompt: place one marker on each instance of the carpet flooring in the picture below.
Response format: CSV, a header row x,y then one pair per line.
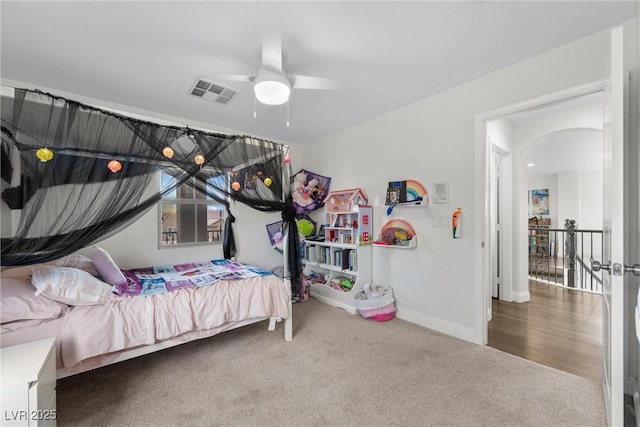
x,y
339,370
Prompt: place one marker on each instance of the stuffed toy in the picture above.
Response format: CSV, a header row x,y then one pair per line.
x,y
298,191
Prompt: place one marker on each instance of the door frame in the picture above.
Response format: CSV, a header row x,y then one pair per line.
x,y
483,196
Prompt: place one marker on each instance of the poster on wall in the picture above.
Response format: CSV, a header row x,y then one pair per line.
x,y
539,202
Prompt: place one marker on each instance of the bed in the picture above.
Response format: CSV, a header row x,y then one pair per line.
x,y
96,323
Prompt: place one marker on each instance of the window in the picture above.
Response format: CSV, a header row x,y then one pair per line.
x,y
188,216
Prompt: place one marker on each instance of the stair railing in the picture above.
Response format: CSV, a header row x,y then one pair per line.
x,y
566,264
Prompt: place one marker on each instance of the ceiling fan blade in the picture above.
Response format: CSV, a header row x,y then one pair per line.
x,y
272,50
227,77
307,82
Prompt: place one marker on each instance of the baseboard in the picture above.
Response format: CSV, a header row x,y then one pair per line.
x,y
449,328
521,296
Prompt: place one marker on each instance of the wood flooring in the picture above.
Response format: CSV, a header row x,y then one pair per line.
x,y
558,327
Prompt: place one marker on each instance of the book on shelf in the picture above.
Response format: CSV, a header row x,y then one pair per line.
x,y
346,259
393,196
399,187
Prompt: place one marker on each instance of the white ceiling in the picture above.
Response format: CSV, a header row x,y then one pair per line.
x,y
575,150
566,150
387,54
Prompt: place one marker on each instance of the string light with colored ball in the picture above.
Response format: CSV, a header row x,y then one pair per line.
x,y
44,154
114,166
199,159
167,152
235,186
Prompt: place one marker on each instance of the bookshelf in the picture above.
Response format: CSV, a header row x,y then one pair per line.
x,y
341,264
539,236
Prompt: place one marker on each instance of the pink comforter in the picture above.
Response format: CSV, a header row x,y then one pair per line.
x,y
129,322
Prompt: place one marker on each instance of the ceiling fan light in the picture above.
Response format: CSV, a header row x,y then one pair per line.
x,y
271,88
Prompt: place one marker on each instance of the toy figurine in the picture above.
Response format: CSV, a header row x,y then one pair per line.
x,y
456,222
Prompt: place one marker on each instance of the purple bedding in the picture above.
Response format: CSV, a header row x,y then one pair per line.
x,y
162,279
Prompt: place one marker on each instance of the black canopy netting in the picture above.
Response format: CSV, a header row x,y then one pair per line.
x,y
74,199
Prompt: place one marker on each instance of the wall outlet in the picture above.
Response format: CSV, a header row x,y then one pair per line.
x,y
440,221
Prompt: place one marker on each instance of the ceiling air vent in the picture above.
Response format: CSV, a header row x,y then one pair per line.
x,y
212,92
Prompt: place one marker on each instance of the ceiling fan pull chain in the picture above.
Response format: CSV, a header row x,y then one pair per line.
x,y
288,101
255,109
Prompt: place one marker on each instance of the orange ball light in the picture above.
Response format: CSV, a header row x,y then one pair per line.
x,y
199,159
44,154
167,152
235,186
287,159
114,166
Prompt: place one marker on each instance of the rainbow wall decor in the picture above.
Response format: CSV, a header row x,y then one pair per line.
x,y
415,190
399,224
397,233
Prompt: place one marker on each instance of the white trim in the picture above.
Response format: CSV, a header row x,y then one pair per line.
x,y
521,296
439,325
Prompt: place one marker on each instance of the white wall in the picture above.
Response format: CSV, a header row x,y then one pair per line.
x,y
591,204
500,134
432,140
569,188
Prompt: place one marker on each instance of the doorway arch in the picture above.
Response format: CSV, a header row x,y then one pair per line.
x,y
565,162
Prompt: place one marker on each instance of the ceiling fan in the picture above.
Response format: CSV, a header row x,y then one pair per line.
x,y
272,86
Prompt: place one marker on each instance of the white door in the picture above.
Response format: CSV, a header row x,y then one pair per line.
x,y
496,221
613,232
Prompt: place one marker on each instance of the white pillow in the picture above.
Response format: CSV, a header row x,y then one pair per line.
x,y
75,261
70,286
107,268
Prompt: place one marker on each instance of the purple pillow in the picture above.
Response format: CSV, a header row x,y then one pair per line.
x,y
108,269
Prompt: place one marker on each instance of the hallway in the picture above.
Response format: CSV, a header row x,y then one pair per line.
x,y
558,327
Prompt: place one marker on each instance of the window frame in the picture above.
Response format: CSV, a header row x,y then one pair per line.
x,y
182,201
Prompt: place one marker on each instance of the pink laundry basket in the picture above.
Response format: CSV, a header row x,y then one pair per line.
x,y
375,302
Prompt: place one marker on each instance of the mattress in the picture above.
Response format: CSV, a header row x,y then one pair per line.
x,y
88,336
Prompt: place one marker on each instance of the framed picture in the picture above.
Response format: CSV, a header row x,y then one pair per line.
x,y
539,202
